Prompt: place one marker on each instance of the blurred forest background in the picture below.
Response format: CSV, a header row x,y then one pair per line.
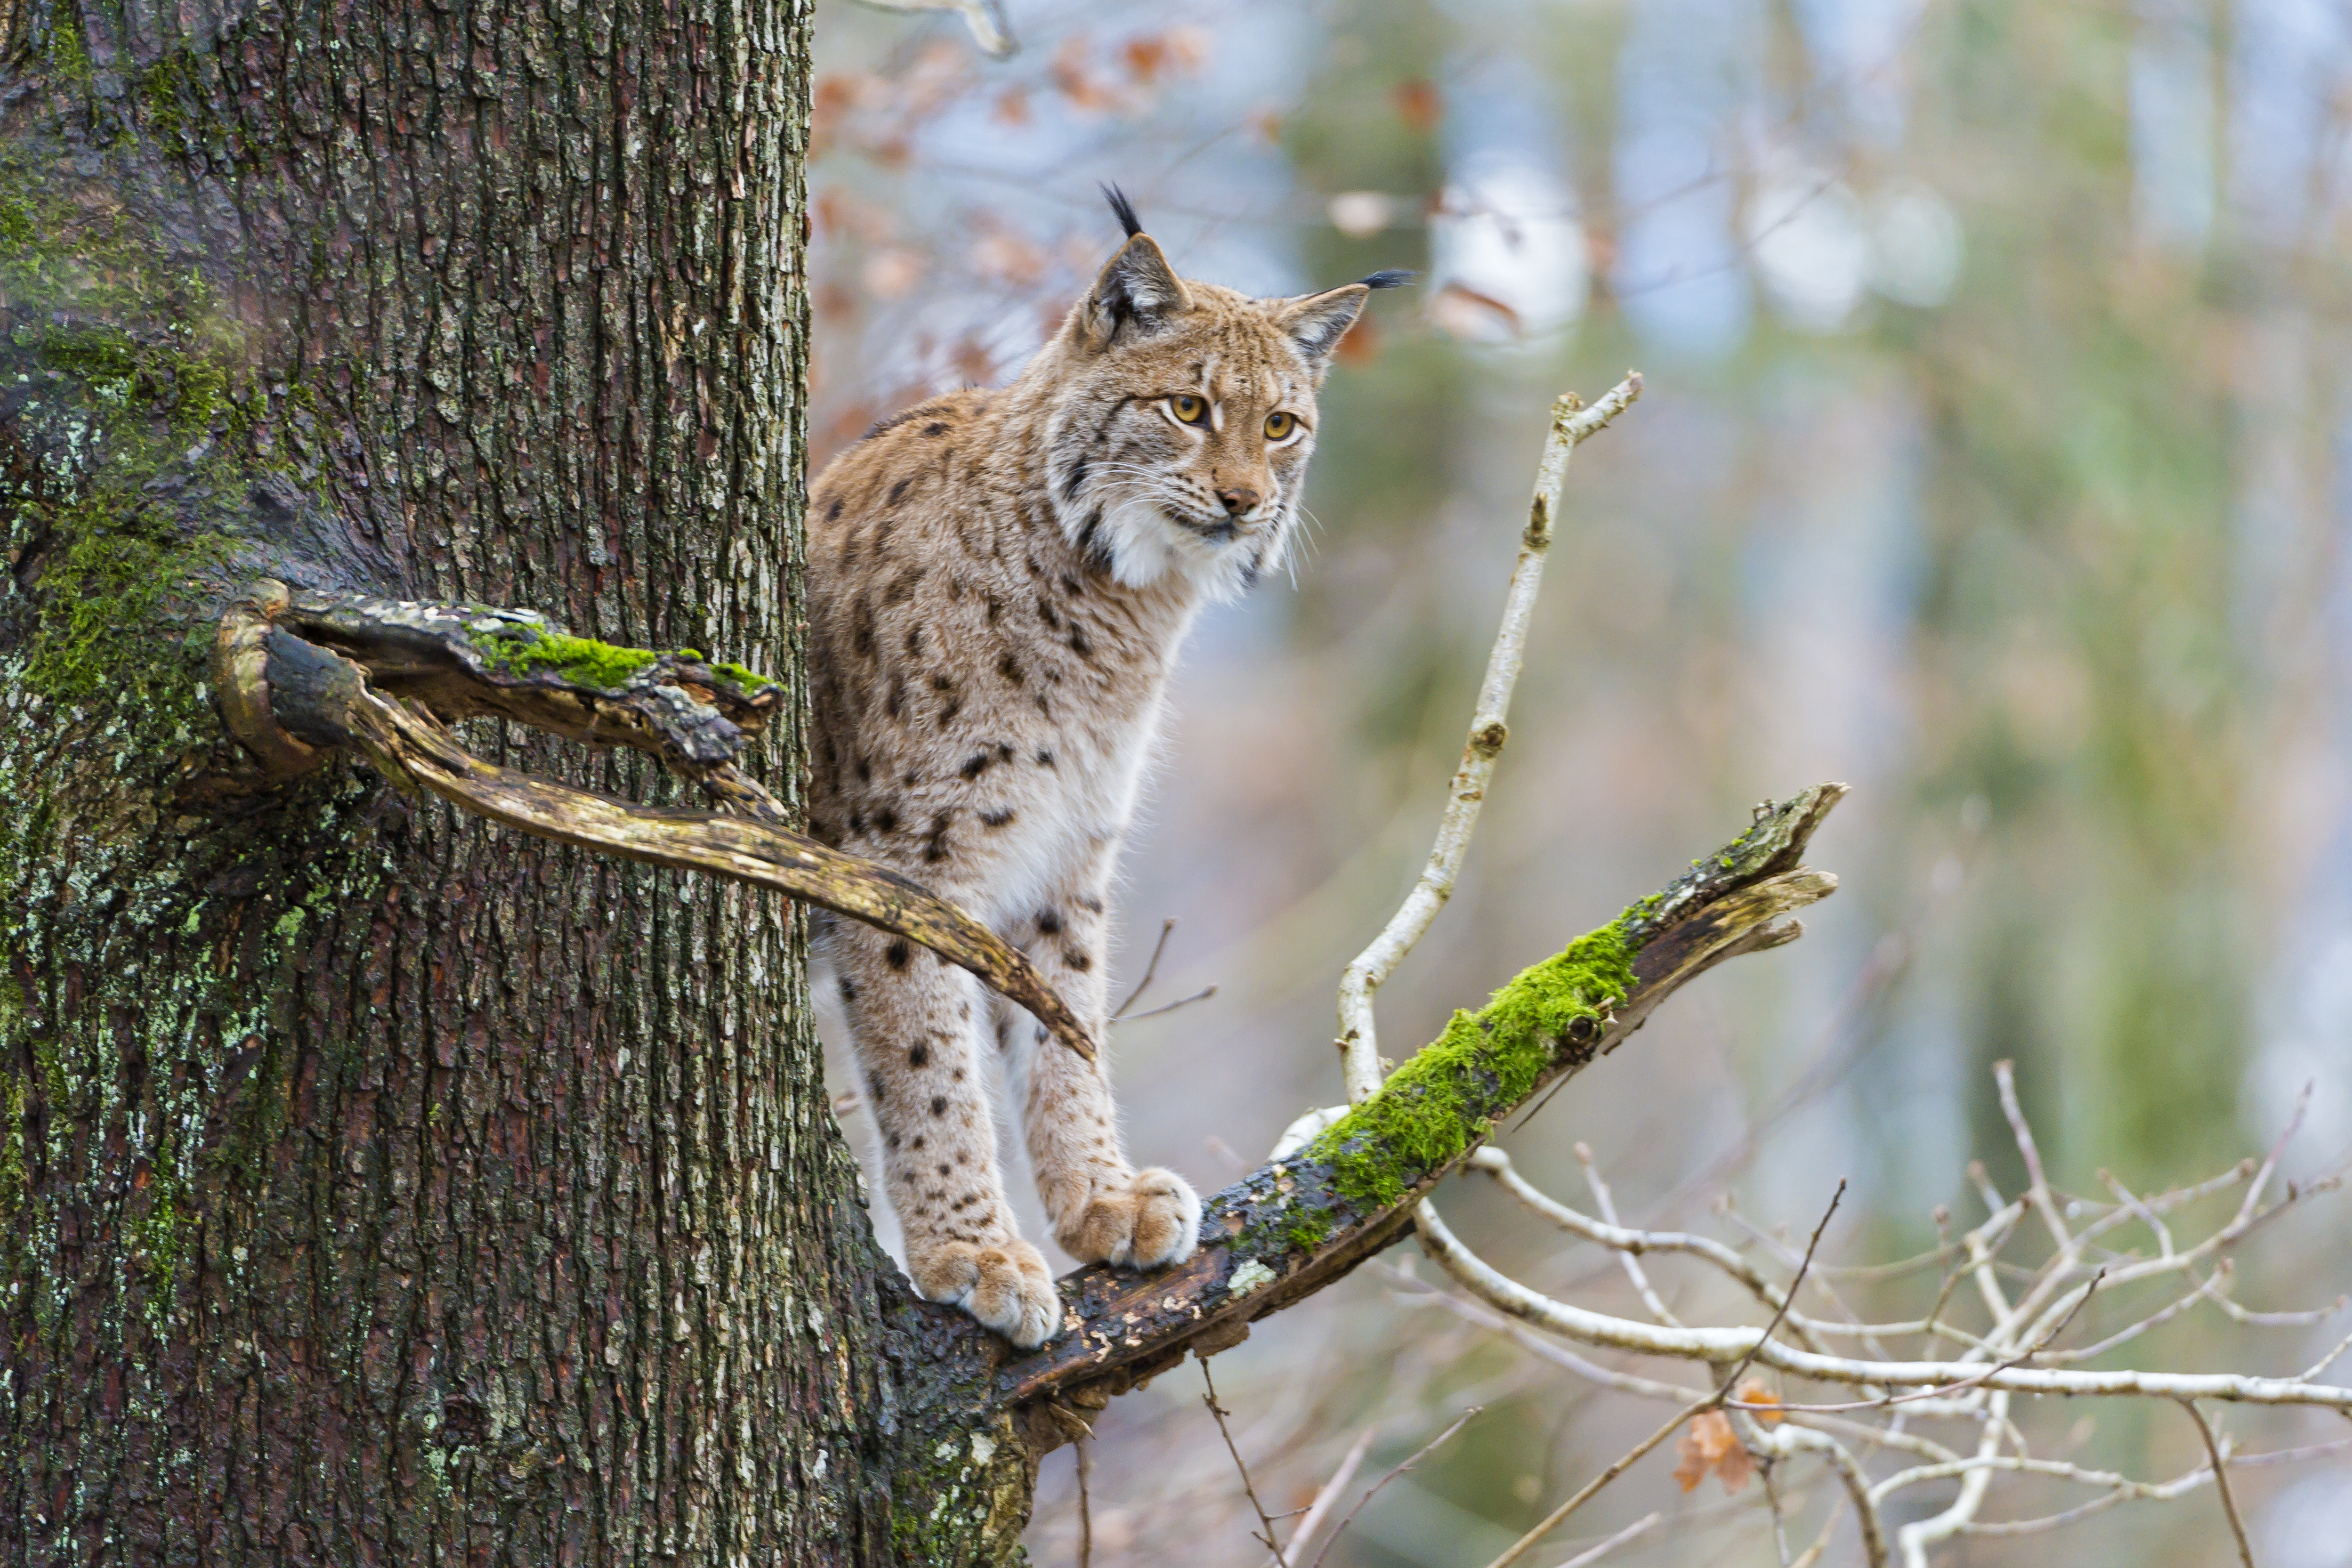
x,y
1996,459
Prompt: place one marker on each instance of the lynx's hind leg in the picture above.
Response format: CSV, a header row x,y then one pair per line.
x,y
913,1023
1103,1209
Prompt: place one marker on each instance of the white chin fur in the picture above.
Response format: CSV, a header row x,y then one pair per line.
x,y
1144,545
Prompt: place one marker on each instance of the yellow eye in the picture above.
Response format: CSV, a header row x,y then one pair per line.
x,y
1279,425
1191,410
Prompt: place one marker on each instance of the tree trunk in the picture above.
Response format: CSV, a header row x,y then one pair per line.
x,y
380,1185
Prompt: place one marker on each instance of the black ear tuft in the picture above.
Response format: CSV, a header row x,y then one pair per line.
x,y
1137,287
1125,209
1390,278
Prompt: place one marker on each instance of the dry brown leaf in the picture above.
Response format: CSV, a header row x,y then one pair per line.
x,y
1710,1444
1762,1402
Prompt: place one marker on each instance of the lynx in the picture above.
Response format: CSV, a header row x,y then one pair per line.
x,y
999,580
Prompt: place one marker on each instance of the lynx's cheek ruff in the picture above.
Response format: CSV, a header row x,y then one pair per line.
x,y
998,584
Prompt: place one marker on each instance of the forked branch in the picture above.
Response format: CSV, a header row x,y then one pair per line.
x,y
301,676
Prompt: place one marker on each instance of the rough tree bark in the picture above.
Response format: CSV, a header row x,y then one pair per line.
x,y
378,1183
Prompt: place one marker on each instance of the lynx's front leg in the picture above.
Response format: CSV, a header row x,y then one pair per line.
x,y
1103,1209
914,1022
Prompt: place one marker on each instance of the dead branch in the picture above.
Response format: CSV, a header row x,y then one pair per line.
x,y
1295,1225
1266,1523
383,677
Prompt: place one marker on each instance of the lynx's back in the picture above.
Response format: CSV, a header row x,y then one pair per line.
x,y
999,581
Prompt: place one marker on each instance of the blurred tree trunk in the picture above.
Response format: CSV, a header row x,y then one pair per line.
x,y
376,1185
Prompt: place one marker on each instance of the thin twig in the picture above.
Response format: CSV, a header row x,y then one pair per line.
x,y
1945,1391
1551,1521
1167,930
1772,1503
1722,1344
1203,994
1571,423
1599,1549
2222,1480
1086,1508
1332,1491
985,18
1634,1269
1210,1399
1416,1457
1732,1382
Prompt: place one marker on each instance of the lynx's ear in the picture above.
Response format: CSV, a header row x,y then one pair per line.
x,y
1318,321
1137,290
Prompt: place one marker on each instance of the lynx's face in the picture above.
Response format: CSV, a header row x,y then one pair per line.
x,y
1182,419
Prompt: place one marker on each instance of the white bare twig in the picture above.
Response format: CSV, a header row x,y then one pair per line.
x,y
1790,1438
1571,422
1599,1549
1400,1468
985,18
1731,1344
1329,1496
1630,1256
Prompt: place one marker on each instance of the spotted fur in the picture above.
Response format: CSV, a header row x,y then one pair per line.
x,y
998,582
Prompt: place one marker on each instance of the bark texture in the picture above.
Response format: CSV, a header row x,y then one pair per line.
x,y
377,1184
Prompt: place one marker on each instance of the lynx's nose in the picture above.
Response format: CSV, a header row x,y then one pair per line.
x,y
1238,500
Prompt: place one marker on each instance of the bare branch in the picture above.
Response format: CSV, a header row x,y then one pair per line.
x,y
1210,1399
292,699
1591,1488
1571,423
1296,1225
1791,1437
1629,1257
1203,994
1719,1345
1150,970
1407,1463
1331,1492
2221,1466
1599,1549
1765,1337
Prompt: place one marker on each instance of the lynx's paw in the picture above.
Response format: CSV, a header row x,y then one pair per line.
x,y
1006,1287
1153,1218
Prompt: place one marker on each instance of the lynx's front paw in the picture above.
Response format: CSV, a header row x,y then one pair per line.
x,y
1153,1218
1006,1287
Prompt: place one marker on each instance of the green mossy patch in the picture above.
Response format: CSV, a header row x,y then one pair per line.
x,y
11,1145
1435,1107
584,661
97,644
742,679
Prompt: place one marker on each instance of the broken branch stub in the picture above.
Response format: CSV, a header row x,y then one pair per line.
x,y
292,700
1298,1223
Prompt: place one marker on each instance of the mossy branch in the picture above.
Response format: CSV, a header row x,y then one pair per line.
x,y
382,678
1300,1223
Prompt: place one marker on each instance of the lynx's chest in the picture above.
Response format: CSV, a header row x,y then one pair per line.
x,y
985,705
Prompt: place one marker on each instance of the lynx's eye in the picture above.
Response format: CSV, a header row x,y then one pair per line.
x,y
1278,426
1191,410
